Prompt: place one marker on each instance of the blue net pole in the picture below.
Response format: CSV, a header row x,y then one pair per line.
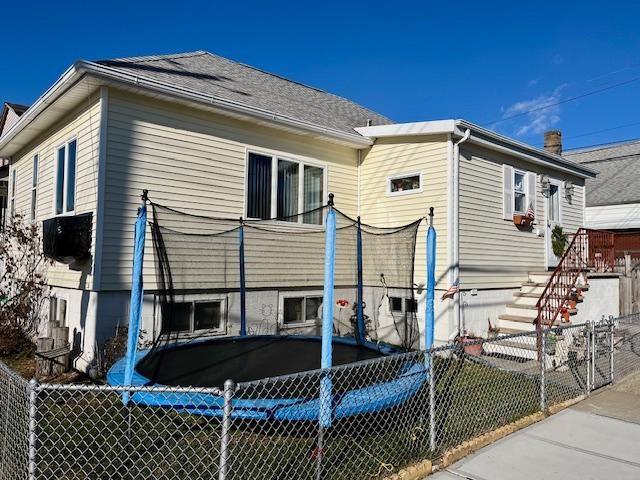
x,y
243,292
327,318
135,307
360,330
429,327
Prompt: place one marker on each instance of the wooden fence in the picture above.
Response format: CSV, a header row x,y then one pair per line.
x,y
629,266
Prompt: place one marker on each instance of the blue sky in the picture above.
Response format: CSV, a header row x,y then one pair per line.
x,y
411,61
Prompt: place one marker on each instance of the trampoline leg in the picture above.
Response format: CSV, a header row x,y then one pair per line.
x,y
432,404
225,436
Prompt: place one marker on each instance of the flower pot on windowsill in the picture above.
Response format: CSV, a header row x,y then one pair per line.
x,y
522,221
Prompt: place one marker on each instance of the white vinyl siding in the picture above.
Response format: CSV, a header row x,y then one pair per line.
x,y
396,156
193,161
12,198
83,125
495,253
34,189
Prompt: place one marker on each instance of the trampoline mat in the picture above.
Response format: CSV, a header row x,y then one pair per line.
x,y
244,359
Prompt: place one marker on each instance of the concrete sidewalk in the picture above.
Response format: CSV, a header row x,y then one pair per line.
x,y
595,439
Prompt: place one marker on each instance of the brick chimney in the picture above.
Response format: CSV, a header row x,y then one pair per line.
x,y
553,142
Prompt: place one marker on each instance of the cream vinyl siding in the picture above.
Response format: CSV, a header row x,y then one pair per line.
x,y
493,252
193,161
83,125
397,156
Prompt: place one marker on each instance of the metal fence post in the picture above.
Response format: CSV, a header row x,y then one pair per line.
x,y
587,357
32,428
611,347
225,435
543,367
432,403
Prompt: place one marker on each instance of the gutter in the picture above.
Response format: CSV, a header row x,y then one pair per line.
x,y
455,237
80,68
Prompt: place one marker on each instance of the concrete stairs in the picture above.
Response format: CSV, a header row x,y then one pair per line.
x,y
520,317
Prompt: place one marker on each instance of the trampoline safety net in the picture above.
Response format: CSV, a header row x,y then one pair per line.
x,y
234,277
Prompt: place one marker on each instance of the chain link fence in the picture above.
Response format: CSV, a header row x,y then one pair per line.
x,y
385,413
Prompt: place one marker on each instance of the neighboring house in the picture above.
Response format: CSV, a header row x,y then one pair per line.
x,y
613,197
189,127
11,112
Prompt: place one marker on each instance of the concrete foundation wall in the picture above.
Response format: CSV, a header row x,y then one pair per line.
x,y
602,299
479,307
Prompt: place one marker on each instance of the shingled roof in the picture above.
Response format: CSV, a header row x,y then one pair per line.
x,y
618,167
213,75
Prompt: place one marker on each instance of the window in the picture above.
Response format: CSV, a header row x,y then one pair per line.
x,y
196,315
519,193
66,178
403,305
403,184
300,309
519,190
57,312
281,188
554,202
12,199
34,189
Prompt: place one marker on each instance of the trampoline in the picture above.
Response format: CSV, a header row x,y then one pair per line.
x,y
256,361
278,289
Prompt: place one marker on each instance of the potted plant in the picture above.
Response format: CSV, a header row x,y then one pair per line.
x,y
573,298
470,344
550,344
559,241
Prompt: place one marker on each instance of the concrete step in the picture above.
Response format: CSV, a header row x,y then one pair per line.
x,y
525,298
539,277
522,306
533,287
516,322
521,348
530,312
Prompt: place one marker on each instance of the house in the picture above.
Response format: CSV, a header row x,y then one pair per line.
x,y
613,198
10,114
193,127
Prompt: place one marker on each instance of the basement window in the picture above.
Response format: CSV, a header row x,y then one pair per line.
x,y
301,309
197,316
404,184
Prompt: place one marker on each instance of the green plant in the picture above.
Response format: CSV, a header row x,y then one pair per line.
x,y
559,241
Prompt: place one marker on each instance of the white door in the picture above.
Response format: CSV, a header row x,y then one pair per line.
x,y
553,213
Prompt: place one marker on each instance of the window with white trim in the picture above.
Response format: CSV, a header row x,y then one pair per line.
x,y
34,188
298,309
519,192
405,183
197,316
403,305
281,188
65,199
12,198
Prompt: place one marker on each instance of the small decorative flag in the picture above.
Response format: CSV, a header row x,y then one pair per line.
x,y
530,213
452,290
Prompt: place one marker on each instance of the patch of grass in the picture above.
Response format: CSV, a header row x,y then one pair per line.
x,y
93,435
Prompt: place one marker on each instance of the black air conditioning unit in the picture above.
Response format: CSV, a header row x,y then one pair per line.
x,y
67,239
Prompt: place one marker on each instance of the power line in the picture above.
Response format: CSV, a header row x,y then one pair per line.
x,y
604,130
560,102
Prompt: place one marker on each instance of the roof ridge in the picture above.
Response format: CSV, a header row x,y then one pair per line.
x,y
311,87
153,58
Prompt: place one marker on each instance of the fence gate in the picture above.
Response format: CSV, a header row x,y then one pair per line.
x,y
600,354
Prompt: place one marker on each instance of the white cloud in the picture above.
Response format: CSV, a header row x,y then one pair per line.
x,y
539,117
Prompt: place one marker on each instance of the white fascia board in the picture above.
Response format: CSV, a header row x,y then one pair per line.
x,y
68,78
530,153
407,129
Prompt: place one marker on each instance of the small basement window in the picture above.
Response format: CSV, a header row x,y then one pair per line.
x,y
403,305
301,309
403,184
58,311
197,316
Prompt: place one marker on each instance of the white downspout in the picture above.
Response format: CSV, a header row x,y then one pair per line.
x,y
455,237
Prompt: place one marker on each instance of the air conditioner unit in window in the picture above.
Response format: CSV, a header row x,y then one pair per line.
x,y
67,239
